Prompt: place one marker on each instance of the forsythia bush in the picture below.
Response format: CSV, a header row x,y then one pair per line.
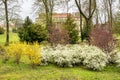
x,y
15,51
68,56
33,52
2,50
22,49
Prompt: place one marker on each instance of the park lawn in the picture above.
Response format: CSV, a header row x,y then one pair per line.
x,y
13,38
23,71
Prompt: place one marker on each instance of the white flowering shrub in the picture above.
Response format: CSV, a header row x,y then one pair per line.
x,y
70,55
59,55
63,60
94,58
118,59
115,57
48,55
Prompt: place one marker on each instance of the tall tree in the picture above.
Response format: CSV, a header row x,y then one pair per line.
x,y
7,21
71,27
89,17
81,20
48,6
6,7
110,2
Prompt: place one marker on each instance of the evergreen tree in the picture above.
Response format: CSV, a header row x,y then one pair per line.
x,y
32,32
27,22
23,31
71,27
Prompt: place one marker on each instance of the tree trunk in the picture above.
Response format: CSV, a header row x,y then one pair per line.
x,y
110,5
81,31
51,5
88,29
7,24
87,19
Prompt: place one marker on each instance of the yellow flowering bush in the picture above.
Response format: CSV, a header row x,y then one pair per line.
x,y
1,50
15,51
18,50
33,52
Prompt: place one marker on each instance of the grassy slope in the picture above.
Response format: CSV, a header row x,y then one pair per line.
x,y
12,71
13,38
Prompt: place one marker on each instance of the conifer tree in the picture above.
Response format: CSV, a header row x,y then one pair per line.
x,y
71,27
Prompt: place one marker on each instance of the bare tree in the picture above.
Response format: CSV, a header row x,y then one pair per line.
x,y
7,21
89,17
6,3
47,6
110,2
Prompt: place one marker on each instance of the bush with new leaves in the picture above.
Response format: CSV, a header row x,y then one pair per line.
x,y
101,36
58,35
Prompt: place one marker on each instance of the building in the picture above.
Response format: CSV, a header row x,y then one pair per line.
x,y
59,18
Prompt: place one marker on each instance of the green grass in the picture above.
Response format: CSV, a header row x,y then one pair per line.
x,y
12,71
13,38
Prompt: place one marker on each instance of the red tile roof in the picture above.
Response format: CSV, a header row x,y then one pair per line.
x,y
61,15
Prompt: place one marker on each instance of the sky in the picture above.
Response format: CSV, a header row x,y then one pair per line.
x,y
26,9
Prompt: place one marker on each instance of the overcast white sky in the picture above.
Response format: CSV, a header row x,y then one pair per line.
x,y
26,9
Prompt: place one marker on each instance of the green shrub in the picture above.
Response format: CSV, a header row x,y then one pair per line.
x,y
14,30
2,30
72,29
33,33
23,31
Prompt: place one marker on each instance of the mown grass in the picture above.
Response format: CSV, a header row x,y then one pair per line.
x,y
13,38
23,71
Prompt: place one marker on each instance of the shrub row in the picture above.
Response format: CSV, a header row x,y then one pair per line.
x,y
68,56
63,56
